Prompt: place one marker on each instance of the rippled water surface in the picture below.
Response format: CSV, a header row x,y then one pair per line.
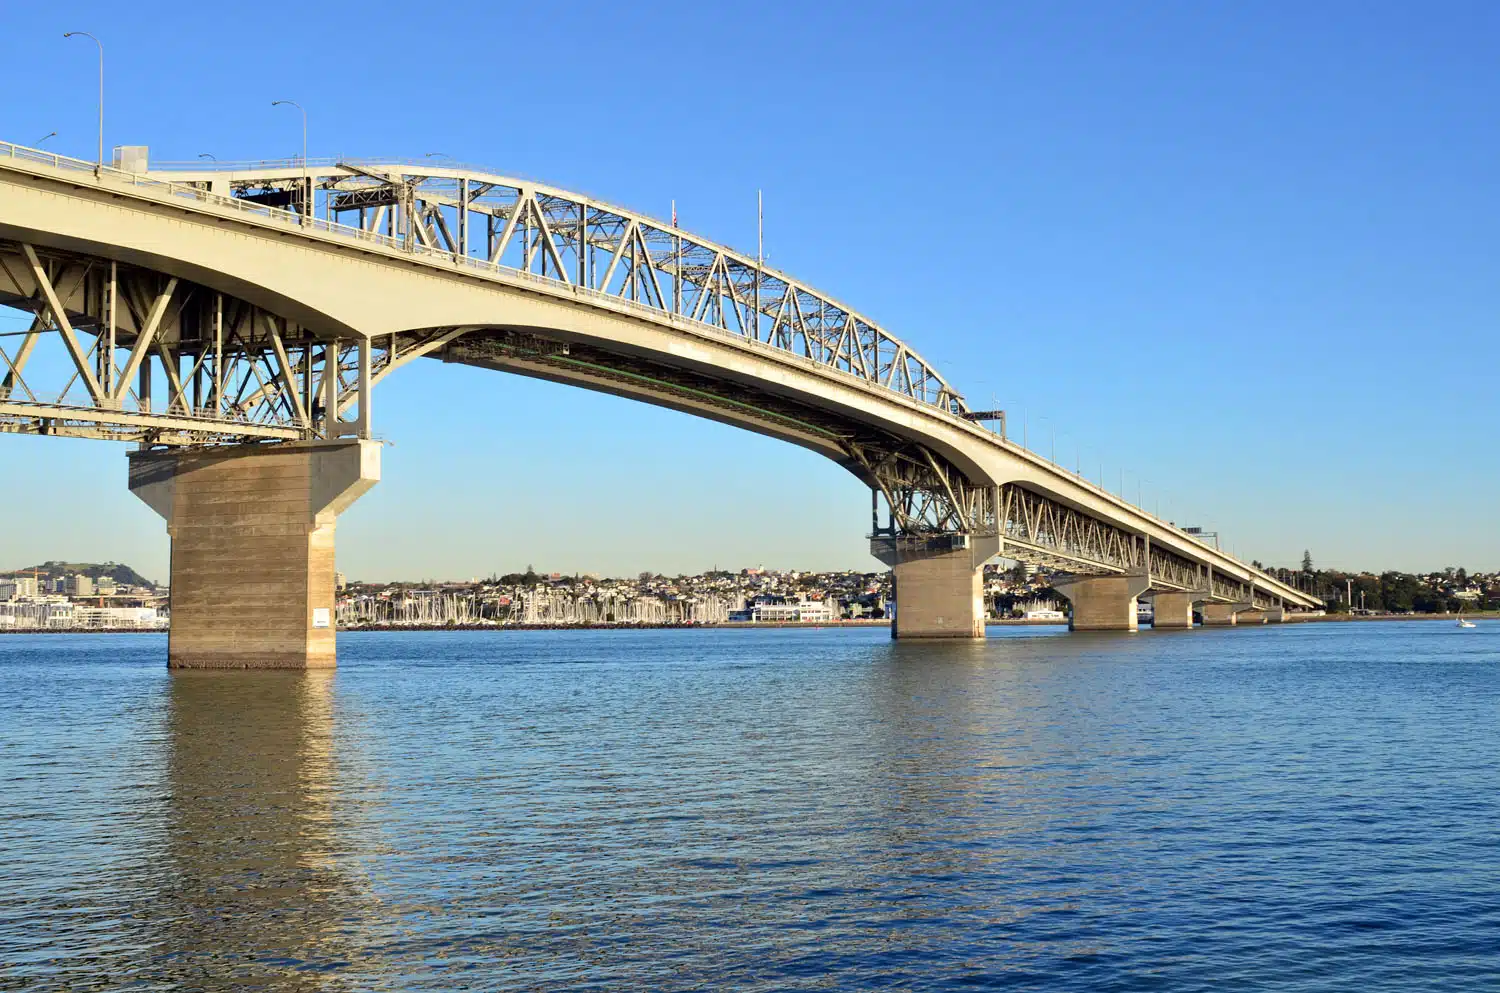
x,y
1292,808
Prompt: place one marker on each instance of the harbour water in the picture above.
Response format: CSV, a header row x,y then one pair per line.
x,y
1300,807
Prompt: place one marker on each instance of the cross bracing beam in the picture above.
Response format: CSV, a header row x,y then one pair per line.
x,y
119,352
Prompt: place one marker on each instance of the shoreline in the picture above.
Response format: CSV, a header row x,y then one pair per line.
x,y
752,625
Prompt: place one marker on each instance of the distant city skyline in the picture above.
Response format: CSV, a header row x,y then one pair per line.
x,y
1237,260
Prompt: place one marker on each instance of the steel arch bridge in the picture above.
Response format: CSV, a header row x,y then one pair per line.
x,y
191,306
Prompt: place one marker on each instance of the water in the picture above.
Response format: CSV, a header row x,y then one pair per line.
x,y
1292,808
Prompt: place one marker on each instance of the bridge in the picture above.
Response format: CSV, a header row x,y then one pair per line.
x,y
234,321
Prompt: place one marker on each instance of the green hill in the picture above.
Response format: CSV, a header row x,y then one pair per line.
x,y
122,574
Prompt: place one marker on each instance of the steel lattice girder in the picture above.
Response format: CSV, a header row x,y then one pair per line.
x,y
1048,532
480,219
927,497
118,352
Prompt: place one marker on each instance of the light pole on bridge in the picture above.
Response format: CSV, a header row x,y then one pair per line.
x,y
100,167
1053,427
305,199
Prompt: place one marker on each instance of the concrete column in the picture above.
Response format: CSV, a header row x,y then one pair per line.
x,y
252,547
939,584
1222,614
1103,603
1251,616
1174,610
1275,615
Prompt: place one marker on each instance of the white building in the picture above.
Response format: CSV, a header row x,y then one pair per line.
x,y
801,612
144,618
1044,614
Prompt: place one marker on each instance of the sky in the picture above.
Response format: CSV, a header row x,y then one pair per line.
x,y
1239,256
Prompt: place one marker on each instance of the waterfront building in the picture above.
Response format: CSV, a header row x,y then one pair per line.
x,y
1044,614
798,612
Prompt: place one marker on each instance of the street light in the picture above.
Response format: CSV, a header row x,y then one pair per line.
x,y
208,155
306,192
1053,427
85,34
38,142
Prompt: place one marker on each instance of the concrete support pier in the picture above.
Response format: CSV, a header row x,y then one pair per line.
x,y
1222,614
252,547
1174,611
939,584
1103,603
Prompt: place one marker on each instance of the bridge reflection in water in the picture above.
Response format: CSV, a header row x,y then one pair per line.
x,y
251,889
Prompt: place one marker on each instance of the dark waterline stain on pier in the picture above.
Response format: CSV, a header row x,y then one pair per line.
x,y
1299,808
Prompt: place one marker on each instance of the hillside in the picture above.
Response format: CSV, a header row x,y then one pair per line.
x,y
122,574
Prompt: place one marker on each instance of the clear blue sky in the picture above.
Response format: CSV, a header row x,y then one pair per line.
x,y
1244,251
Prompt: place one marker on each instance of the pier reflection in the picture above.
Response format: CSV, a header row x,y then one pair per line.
x,y
252,888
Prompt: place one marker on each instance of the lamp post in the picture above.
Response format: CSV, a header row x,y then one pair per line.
x,y
38,142
1053,457
208,155
96,41
306,197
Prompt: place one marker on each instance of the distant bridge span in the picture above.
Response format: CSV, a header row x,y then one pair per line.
x,y
195,310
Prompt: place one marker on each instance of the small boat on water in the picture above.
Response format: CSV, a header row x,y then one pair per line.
x,y
1466,624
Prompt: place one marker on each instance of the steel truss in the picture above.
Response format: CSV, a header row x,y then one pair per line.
x,y
1041,530
925,497
480,220
118,352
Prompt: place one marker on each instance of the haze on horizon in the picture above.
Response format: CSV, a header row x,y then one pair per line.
x,y
1245,255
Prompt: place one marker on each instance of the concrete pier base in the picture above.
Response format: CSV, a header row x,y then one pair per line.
x,y
939,584
1222,614
252,547
1103,603
1251,616
1174,611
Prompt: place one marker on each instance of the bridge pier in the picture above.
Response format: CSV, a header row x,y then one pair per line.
x,y
1103,603
938,584
1174,611
1223,614
252,547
